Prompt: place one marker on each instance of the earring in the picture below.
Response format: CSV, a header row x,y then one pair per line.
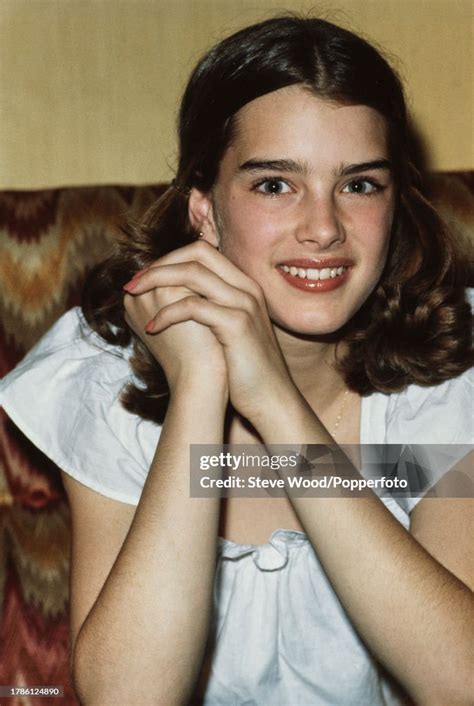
x,y
200,234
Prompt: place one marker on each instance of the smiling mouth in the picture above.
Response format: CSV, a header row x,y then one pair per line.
x,y
314,274
329,275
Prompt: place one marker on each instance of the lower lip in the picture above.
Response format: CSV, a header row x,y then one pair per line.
x,y
315,286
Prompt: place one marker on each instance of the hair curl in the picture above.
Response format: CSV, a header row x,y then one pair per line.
x,y
414,327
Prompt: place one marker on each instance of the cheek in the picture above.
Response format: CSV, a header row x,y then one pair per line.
x,y
373,231
245,235
385,229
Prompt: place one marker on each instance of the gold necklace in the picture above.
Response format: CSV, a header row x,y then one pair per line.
x,y
339,416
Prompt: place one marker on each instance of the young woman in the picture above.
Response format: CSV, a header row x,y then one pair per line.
x,y
292,286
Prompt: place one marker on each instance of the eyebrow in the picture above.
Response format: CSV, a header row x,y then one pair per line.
x,y
345,169
290,165
274,165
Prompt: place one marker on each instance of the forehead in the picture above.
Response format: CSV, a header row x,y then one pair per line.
x,y
304,126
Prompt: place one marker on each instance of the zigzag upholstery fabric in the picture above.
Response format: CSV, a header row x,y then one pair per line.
x,y
49,240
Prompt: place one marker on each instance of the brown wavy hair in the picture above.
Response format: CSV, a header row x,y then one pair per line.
x,y
414,327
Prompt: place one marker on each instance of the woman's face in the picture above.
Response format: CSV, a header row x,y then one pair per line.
x,y
304,203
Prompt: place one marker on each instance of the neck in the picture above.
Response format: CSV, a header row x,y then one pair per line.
x,y
310,360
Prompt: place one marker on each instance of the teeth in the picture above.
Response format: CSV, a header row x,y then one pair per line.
x,y
314,274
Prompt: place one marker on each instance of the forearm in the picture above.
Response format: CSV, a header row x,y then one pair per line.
x,y
144,638
413,613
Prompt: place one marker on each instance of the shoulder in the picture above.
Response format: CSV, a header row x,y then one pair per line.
x,y
427,431
69,357
65,397
441,414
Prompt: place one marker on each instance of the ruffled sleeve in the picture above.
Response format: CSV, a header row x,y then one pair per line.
x,y
65,397
435,428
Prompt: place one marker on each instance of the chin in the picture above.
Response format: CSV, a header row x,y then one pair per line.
x,y
311,325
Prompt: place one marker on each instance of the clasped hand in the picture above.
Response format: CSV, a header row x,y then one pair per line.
x,y
201,316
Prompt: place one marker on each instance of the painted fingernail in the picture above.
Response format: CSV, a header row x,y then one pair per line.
x,y
135,279
130,285
150,325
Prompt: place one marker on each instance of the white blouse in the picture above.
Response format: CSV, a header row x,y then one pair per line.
x,y
282,638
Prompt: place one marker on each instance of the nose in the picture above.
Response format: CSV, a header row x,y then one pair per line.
x,y
320,222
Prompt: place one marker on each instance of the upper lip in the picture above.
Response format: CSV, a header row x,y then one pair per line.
x,y
318,263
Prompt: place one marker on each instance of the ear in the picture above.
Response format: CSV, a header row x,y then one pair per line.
x,y
202,217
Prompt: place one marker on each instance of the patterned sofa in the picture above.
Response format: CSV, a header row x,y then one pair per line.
x,y
49,240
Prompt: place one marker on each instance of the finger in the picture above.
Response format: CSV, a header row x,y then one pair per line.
x,y
197,278
210,257
139,309
225,322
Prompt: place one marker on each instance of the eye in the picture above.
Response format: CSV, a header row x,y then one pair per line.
x,y
271,186
365,187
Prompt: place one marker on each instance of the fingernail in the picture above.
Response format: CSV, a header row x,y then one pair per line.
x,y
135,279
149,326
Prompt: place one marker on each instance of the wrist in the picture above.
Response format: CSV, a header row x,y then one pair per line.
x,y
276,407
285,417
207,391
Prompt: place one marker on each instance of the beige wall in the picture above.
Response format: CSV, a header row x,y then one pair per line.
x,y
89,88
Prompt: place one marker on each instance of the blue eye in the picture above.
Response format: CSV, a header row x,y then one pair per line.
x,y
365,187
272,187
